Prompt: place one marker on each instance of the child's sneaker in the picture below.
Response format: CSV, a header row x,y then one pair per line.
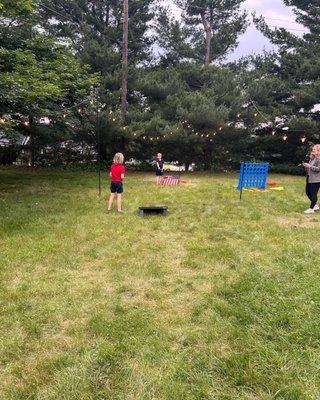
x,y
309,211
316,207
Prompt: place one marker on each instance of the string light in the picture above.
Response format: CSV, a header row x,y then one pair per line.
x,y
285,137
255,114
26,123
238,115
303,139
208,135
220,129
273,133
113,119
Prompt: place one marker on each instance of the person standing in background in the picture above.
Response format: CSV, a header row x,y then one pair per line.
x,y
313,179
159,166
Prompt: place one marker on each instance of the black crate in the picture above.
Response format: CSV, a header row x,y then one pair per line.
x,y
153,210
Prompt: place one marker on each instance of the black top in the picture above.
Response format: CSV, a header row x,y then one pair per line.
x,y
160,162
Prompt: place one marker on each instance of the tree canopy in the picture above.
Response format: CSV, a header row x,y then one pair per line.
x,y
61,61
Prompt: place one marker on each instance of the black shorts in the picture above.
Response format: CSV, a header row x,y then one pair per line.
x,y
116,187
159,172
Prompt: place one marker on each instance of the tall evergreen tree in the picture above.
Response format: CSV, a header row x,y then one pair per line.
x,y
208,30
94,29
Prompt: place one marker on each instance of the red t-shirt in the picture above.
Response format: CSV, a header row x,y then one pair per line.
x,y
116,171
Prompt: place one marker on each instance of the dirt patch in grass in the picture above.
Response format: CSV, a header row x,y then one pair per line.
x,y
301,221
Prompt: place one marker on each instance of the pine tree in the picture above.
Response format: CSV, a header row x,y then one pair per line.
x,y
208,30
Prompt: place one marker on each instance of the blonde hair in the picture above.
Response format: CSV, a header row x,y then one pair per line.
x,y
118,158
316,151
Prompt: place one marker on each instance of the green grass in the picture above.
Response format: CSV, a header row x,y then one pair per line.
x,y
219,300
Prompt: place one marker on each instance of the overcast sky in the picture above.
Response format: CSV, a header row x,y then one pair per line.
x,y
276,14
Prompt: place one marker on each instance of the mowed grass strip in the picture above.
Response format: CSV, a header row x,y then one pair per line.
x,y
219,300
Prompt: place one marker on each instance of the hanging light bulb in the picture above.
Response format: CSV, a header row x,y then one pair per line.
x,y
211,140
238,115
285,137
164,136
214,133
255,114
26,123
113,119
303,139
79,110
273,133
208,135
64,115
220,129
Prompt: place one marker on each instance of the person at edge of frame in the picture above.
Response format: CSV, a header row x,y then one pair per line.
x,y
313,179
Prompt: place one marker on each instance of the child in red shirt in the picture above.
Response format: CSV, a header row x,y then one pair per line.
x,y
117,172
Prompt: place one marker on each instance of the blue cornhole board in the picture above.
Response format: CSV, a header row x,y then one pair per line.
x,y
253,176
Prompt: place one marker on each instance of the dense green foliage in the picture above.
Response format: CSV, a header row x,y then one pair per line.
x,y
62,60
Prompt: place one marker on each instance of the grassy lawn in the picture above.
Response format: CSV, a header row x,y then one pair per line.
x,y
219,300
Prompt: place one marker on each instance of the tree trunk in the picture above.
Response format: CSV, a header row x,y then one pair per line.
x,y
206,157
32,145
208,31
124,91
123,144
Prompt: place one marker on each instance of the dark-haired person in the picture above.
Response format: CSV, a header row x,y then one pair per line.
x,y
313,179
